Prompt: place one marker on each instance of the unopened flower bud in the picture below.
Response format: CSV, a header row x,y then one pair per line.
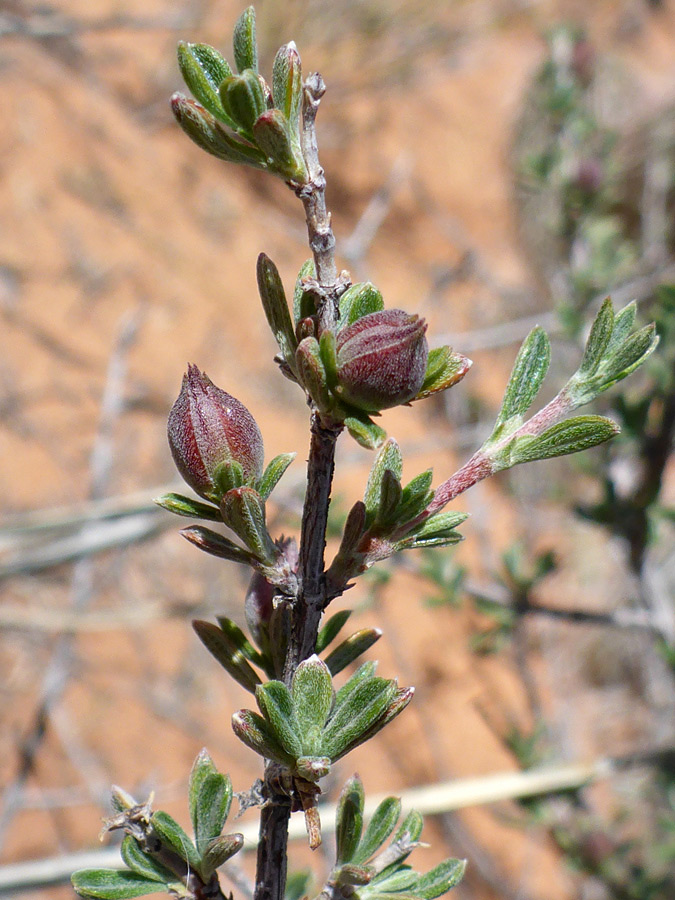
x,y
381,359
210,434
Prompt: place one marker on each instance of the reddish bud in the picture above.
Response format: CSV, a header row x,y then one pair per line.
x,y
381,359
208,431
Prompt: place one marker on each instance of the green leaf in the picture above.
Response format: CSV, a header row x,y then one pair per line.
x,y
444,369
274,700
357,301
598,339
202,767
623,325
444,876
186,506
364,431
142,863
349,820
527,375
303,301
403,879
203,128
350,649
356,714
240,641
570,436
363,673
410,829
215,544
244,41
231,658
212,809
389,458
331,629
219,850
258,734
329,357
401,699
629,355
379,828
243,101
244,512
312,694
272,134
274,303
111,884
287,84
273,473
204,70
312,372
415,497
174,837
227,476
390,497
440,525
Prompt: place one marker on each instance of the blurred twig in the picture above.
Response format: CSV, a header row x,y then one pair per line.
x,y
82,583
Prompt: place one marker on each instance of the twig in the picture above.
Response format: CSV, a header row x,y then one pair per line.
x,y
91,539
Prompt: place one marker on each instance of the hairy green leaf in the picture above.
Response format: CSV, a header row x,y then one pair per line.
x,y
364,431
186,506
527,375
349,820
312,694
231,658
440,879
204,70
330,630
111,884
144,864
171,834
274,700
351,648
359,300
379,828
244,41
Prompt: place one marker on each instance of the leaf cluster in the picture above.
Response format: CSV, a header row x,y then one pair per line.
x,y
390,518
612,353
157,852
371,863
245,662
308,727
238,117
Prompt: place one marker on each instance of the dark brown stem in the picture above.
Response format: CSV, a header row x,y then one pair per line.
x,y
271,864
311,597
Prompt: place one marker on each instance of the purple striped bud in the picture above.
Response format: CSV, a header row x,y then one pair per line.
x,y
381,359
213,437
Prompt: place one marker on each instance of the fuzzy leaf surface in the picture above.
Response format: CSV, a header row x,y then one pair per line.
x,y
349,820
244,42
111,884
142,863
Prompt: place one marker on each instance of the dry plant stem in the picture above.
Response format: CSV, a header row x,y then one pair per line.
x,y
311,597
313,196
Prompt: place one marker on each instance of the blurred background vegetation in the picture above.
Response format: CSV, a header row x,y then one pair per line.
x,y
491,164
